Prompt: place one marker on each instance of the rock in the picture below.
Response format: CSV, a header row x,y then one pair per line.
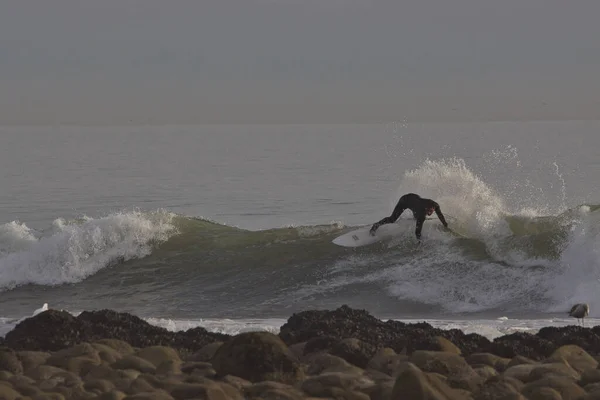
x,y
106,353
568,389
437,343
204,368
555,369
134,362
543,393
154,395
320,385
354,351
54,330
273,390
460,374
322,363
575,356
498,363
319,344
75,358
590,376
520,372
381,390
585,338
521,343
206,353
414,384
43,372
112,395
298,350
236,382
519,360
8,393
169,367
499,387
257,356
345,322
387,361
158,354
99,385
485,372
104,371
51,330
123,348
31,359
5,375
209,391
140,385
9,361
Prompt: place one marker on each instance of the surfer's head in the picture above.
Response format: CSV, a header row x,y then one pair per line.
x,y
429,210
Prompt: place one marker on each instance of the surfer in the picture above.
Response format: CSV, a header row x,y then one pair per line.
x,y
419,206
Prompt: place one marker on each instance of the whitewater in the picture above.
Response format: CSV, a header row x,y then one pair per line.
x,y
256,243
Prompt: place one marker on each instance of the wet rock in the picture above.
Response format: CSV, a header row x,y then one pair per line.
x,y
320,329
48,331
523,344
586,338
54,330
257,356
336,384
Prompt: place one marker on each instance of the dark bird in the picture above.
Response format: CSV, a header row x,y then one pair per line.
x,y
580,310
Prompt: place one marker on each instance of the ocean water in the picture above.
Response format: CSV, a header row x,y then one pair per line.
x,y
231,226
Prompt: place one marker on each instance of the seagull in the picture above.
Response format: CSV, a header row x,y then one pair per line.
x,y
39,310
580,310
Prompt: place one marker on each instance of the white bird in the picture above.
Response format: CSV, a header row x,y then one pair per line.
x,y
580,310
39,310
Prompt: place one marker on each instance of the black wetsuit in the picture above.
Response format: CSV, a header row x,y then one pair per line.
x,y
418,206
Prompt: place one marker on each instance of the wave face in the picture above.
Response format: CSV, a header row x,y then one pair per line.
x,y
516,255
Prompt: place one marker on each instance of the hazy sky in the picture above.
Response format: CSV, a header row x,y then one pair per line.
x,y
205,61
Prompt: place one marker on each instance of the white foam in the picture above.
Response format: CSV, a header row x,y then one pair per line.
x,y
75,250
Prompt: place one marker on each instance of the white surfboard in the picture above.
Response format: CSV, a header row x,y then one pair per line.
x,y
362,237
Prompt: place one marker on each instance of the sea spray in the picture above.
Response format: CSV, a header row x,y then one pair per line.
x,y
77,249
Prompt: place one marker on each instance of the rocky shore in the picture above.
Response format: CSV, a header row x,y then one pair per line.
x,y
339,354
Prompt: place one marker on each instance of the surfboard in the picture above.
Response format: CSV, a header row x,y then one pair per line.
x,y
362,237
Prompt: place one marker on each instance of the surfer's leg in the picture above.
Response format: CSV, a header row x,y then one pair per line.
x,y
398,210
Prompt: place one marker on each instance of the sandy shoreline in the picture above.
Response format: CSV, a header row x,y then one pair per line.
x,y
338,354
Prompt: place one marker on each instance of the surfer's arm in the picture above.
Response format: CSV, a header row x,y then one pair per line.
x,y
398,210
438,211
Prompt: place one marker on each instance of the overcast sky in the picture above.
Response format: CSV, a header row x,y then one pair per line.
x,y
205,61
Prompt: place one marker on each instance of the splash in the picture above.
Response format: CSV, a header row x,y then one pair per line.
x,y
75,250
